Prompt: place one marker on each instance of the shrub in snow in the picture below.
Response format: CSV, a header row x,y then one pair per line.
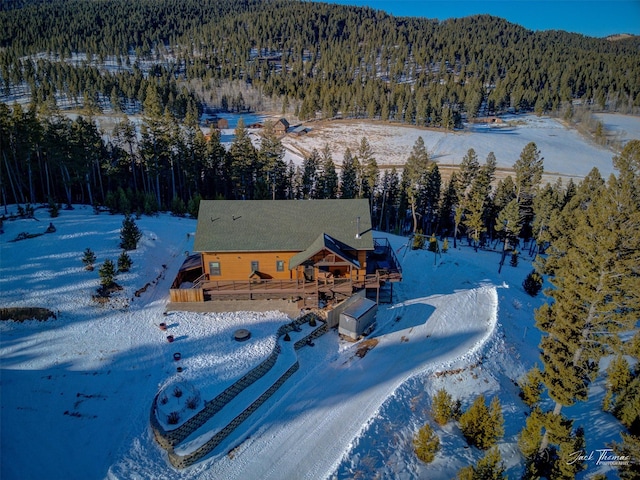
x,y
173,418
482,426
426,444
89,258
533,283
177,392
194,205
107,273
124,262
287,338
163,400
418,241
54,209
192,403
178,207
433,243
445,245
130,234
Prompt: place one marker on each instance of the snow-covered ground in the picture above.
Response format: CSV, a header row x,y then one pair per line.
x,y
626,127
76,391
565,151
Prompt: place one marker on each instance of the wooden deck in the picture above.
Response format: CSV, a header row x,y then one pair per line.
x,y
383,269
284,288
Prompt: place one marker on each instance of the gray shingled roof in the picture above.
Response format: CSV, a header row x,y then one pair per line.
x,y
280,225
324,241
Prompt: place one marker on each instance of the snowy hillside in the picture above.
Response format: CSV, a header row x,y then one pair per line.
x,y
76,391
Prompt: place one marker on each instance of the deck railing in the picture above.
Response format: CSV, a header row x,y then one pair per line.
x,y
393,270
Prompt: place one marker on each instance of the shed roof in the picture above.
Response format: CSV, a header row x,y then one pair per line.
x,y
359,307
280,225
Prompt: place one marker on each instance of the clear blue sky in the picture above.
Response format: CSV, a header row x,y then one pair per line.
x,y
595,18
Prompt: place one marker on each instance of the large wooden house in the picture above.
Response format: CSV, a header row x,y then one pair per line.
x,y
301,250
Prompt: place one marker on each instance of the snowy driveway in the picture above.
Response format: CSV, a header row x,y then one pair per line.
x,y
305,430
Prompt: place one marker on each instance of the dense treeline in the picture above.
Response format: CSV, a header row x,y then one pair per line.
x,y
164,165
593,264
322,59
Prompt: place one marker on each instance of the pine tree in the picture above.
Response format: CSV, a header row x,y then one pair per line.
x,y
311,169
482,426
124,262
327,178
370,171
426,444
532,284
272,167
447,205
442,407
348,185
413,176
618,374
429,197
546,205
244,162
528,169
508,224
88,259
627,406
467,173
531,387
629,448
596,294
433,244
107,273
388,199
530,437
445,245
130,234
154,147
489,467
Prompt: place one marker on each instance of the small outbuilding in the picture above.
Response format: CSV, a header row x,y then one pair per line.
x,y
358,318
281,126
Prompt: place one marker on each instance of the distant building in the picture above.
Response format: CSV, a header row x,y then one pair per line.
x,y
281,126
299,130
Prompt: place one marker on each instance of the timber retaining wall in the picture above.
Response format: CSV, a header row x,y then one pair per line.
x,y
167,439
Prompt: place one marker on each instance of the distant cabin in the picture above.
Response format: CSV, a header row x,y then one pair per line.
x,y
299,130
309,251
488,120
281,126
222,123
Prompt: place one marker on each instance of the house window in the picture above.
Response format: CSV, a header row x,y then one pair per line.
x,y
255,266
279,265
214,269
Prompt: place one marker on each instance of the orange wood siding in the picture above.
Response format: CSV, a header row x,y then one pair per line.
x,y
186,295
237,265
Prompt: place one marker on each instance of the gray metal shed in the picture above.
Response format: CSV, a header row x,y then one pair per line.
x,y
358,318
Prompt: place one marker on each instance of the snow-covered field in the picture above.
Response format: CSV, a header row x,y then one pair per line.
x,y
565,151
627,127
76,391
